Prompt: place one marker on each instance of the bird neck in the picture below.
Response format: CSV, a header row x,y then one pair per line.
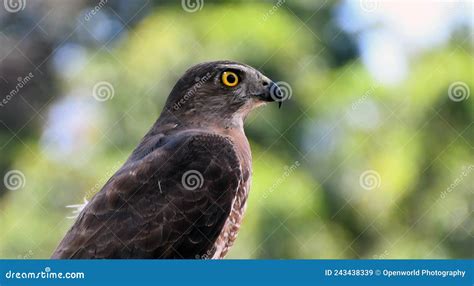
x,y
202,120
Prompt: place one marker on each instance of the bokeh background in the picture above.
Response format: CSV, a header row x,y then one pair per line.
x,y
372,156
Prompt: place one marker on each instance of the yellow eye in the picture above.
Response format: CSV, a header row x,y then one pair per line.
x,y
230,78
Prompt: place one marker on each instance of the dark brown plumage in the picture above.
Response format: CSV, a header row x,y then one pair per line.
x,y
182,193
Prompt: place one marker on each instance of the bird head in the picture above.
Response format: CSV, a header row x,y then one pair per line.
x,y
219,93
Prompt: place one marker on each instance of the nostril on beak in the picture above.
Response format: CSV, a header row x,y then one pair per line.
x,y
265,83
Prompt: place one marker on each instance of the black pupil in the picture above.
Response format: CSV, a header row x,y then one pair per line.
x,y
231,78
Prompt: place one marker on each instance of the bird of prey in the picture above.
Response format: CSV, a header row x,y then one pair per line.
x,y
183,191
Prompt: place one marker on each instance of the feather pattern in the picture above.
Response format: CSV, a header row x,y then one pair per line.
x,y
131,218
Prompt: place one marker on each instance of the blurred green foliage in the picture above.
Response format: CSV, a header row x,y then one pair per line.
x,y
306,200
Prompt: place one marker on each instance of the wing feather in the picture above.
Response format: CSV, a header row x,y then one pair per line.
x,y
144,210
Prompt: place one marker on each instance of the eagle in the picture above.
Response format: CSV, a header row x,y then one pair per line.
x,y
182,193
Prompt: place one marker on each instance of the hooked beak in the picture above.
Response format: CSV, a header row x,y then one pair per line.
x,y
271,93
